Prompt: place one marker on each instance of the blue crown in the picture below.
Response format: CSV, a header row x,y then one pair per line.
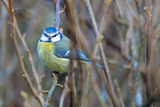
x,y
51,30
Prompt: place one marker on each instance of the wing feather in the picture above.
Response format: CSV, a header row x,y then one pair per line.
x,y
77,54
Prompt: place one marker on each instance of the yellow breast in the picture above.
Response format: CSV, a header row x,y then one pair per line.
x,y
46,55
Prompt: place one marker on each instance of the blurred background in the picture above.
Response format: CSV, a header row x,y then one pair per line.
x,y
125,34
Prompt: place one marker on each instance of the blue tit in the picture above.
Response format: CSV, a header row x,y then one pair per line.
x,y
54,51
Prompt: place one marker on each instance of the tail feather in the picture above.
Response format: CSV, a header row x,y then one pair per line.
x,y
100,66
96,64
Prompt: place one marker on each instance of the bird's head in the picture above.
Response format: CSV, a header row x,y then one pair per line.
x,y
51,34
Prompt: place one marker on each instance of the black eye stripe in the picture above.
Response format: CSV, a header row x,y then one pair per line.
x,y
51,36
56,35
45,34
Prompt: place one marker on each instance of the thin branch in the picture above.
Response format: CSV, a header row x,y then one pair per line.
x,y
64,93
25,74
86,88
41,78
104,16
71,79
101,27
118,63
63,10
6,5
132,11
120,8
106,68
98,93
76,27
26,98
148,10
57,14
53,86
28,54
27,50
119,93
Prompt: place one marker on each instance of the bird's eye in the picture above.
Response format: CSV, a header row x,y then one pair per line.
x,y
56,38
54,35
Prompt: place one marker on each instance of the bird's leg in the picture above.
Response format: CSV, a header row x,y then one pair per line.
x,y
59,75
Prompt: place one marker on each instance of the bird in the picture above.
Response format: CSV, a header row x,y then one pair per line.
x,y
54,51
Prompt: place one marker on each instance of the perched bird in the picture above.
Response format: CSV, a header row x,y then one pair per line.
x,y
54,51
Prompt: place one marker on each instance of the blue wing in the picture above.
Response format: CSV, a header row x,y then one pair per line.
x,y
77,54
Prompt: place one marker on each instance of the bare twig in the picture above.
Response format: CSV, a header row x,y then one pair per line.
x,y
132,12
75,26
25,74
119,93
98,93
114,62
6,5
26,98
41,78
71,79
99,38
106,68
64,93
120,8
27,50
148,10
86,88
63,10
104,16
57,14
53,86
44,91
29,55
59,85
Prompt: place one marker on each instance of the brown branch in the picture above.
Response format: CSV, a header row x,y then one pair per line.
x,y
99,38
44,91
71,79
64,93
41,78
119,93
86,87
26,49
26,98
148,10
120,8
28,54
132,11
76,27
25,74
118,63
59,85
63,10
104,16
106,68
6,5
98,93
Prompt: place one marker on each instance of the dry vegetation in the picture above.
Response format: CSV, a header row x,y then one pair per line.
x,y
121,35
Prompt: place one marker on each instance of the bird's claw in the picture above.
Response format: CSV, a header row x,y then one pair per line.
x,y
59,75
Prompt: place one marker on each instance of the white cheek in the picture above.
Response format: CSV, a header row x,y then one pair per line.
x,y
44,38
56,39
